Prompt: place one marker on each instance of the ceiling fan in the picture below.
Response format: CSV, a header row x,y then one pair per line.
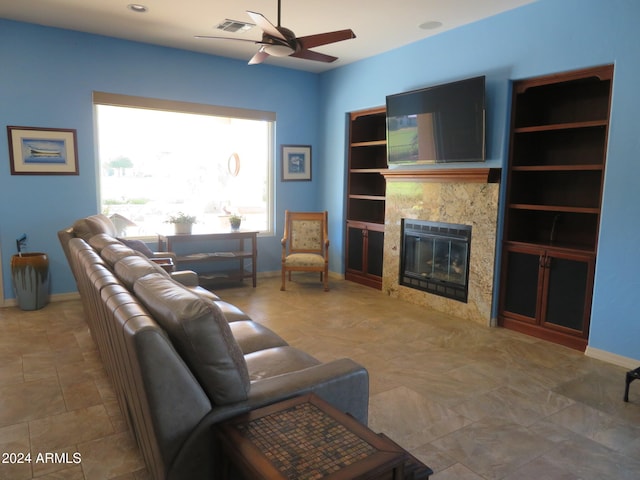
x,y
281,42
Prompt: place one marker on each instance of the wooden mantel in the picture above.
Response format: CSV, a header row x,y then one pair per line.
x,y
450,175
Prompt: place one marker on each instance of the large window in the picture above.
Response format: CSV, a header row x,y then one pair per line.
x,y
160,158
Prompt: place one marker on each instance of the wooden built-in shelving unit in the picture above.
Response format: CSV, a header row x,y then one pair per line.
x,y
366,190
554,194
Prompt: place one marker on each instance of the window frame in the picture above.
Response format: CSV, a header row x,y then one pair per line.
x,y
176,106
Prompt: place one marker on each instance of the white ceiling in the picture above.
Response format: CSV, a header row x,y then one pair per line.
x,y
379,25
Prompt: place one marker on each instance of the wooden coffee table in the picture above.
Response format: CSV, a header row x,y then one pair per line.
x,y
305,438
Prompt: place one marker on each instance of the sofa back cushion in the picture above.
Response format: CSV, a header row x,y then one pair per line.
x,y
201,335
101,224
132,267
87,227
116,251
101,240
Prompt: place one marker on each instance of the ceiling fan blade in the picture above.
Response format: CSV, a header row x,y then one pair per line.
x,y
319,39
266,26
311,55
259,57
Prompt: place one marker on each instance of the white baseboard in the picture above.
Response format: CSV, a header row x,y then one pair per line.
x,y
58,297
609,357
63,297
277,273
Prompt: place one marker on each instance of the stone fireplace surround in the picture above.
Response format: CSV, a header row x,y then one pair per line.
x,y
463,196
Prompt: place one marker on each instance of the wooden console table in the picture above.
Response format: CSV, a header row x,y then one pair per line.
x,y
226,249
306,438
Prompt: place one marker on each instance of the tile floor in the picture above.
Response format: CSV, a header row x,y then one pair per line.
x,y
471,402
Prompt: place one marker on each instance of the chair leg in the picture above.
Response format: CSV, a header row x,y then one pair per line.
x,y
630,377
326,280
283,280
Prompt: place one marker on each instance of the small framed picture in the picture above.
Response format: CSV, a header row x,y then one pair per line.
x,y
296,163
42,151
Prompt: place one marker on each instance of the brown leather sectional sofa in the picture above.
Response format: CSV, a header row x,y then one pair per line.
x,y
182,360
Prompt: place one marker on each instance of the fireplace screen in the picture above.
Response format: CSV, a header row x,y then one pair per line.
x,y
435,258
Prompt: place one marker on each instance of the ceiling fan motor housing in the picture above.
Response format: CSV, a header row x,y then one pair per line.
x,y
277,46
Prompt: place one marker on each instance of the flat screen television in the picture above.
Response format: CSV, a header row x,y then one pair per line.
x,y
438,124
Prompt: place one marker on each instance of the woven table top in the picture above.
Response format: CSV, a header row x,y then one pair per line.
x,y
304,443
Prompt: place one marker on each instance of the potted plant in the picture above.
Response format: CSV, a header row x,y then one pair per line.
x,y
182,222
235,221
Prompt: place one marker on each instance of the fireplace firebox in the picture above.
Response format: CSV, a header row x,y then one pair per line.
x,y
435,258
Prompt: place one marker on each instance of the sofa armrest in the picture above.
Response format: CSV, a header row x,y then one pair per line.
x,y
170,255
343,383
188,278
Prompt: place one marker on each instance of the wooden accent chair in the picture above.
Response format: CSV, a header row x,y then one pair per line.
x,y
305,245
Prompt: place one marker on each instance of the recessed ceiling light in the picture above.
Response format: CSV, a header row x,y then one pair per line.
x,y
136,7
430,25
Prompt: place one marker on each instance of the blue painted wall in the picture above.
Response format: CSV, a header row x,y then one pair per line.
x,y
52,88
545,37
47,79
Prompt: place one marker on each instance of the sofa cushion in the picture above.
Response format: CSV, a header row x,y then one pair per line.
x,y
132,267
304,260
101,224
252,336
82,230
277,361
231,312
101,240
114,252
201,335
87,227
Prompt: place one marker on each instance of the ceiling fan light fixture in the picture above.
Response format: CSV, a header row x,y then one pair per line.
x,y
278,50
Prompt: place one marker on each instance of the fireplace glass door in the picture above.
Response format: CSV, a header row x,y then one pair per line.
x,y
435,258
438,259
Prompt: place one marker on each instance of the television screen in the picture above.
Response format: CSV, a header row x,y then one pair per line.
x,y
439,124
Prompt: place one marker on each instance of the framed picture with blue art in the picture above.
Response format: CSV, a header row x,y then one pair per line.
x,y
296,163
43,151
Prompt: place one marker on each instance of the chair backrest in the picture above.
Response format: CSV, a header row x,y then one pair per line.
x,y
306,232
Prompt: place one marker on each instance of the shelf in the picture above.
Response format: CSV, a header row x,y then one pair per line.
x,y
368,170
373,156
554,208
561,126
368,126
565,247
371,184
372,143
544,226
369,197
366,209
450,175
573,100
212,257
558,168
559,147
553,189
223,276
231,261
